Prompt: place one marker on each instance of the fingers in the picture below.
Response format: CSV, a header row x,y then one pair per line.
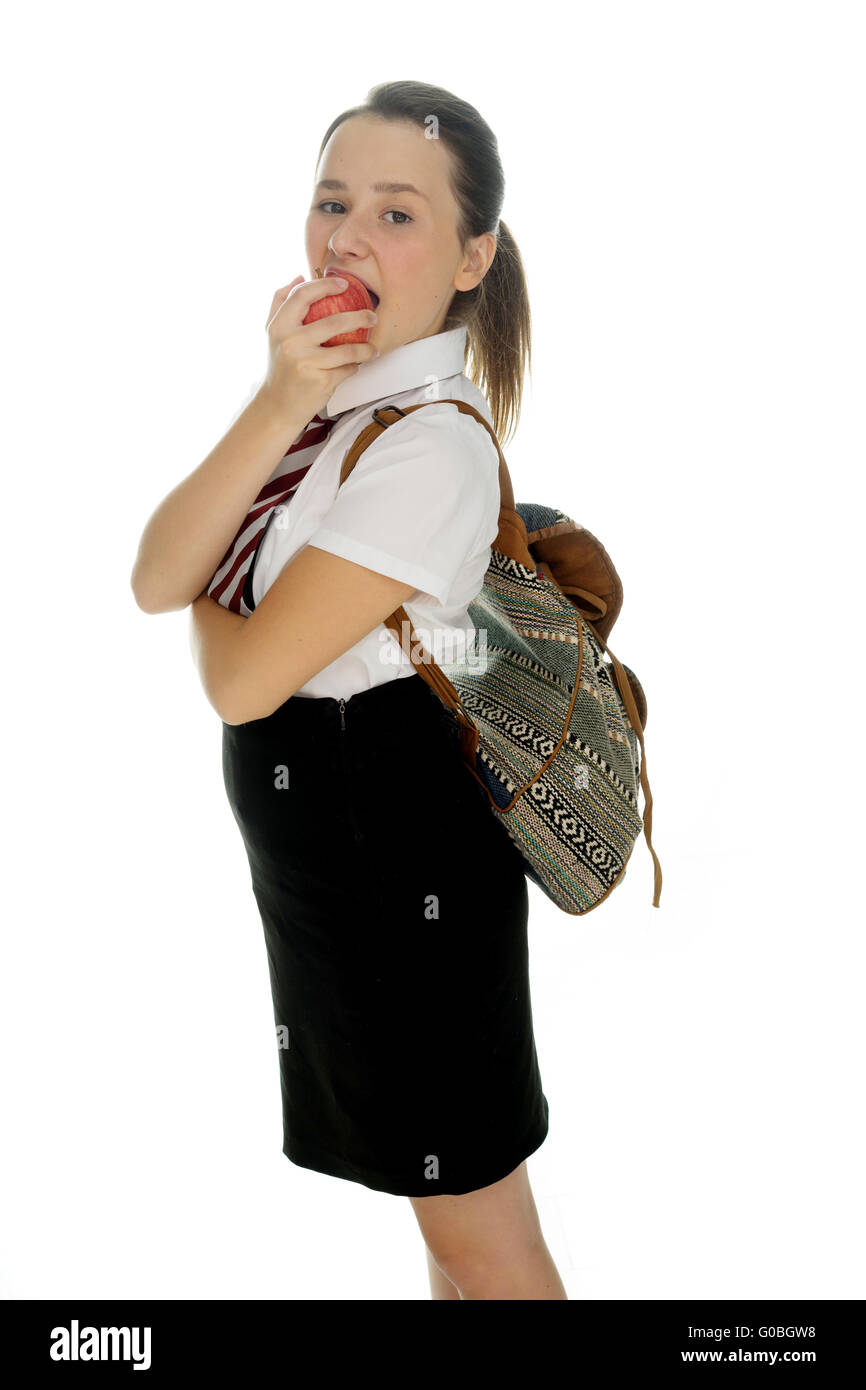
x,y
310,291
346,352
321,287
347,321
279,299
279,295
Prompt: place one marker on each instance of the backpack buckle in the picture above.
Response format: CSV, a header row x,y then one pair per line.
x,y
386,407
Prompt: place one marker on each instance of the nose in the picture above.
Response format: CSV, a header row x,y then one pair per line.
x,y
345,243
349,238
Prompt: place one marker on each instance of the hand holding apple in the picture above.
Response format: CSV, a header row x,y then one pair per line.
x,y
305,368
354,296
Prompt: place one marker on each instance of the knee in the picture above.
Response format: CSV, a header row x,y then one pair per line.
x,y
474,1264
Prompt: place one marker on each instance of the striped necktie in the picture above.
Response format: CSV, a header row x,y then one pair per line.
x,y
229,585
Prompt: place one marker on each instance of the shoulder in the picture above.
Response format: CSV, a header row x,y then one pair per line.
x,y
439,429
434,458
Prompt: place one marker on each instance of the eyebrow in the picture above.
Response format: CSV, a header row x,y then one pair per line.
x,y
375,187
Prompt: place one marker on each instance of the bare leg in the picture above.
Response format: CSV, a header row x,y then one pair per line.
x,y
489,1243
440,1284
532,1276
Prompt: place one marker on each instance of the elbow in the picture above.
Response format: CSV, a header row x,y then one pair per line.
x,y
232,710
234,714
143,591
224,705
144,600
149,598
229,716
243,706
232,704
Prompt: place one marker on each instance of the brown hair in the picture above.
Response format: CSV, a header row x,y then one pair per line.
x,y
496,311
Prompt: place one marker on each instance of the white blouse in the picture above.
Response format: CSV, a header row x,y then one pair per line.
x,y
421,504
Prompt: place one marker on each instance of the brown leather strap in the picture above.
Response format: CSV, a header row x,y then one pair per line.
x,y
511,541
631,709
590,601
628,697
401,625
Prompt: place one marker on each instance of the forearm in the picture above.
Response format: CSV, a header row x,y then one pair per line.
x,y
191,530
214,637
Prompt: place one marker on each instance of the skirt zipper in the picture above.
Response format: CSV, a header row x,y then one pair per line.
x,y
343,715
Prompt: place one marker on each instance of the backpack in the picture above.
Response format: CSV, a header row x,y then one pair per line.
x,y
547,727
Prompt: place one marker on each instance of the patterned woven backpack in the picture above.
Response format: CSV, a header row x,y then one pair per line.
x,y
547,727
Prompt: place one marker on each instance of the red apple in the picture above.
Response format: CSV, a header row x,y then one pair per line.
x,y
354,296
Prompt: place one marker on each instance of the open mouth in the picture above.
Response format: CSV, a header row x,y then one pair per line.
x,y
374,297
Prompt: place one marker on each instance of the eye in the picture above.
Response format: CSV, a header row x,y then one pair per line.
x,y
332,203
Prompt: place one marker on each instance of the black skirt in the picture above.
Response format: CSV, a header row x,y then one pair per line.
x,y
394,909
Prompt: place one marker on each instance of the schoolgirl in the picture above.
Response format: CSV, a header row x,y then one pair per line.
x,y
394,905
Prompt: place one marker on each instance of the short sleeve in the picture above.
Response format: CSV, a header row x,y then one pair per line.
x,y
419,502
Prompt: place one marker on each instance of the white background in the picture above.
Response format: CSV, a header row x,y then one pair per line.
x,y
685,184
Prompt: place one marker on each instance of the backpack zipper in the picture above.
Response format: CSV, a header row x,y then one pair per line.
x,y
343,715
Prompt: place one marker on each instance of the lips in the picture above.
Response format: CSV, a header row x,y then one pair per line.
x,y
333,270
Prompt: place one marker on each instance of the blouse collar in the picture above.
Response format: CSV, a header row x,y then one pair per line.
x,y
423,362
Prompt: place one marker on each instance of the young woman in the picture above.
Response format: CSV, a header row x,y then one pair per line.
x,y
393,903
